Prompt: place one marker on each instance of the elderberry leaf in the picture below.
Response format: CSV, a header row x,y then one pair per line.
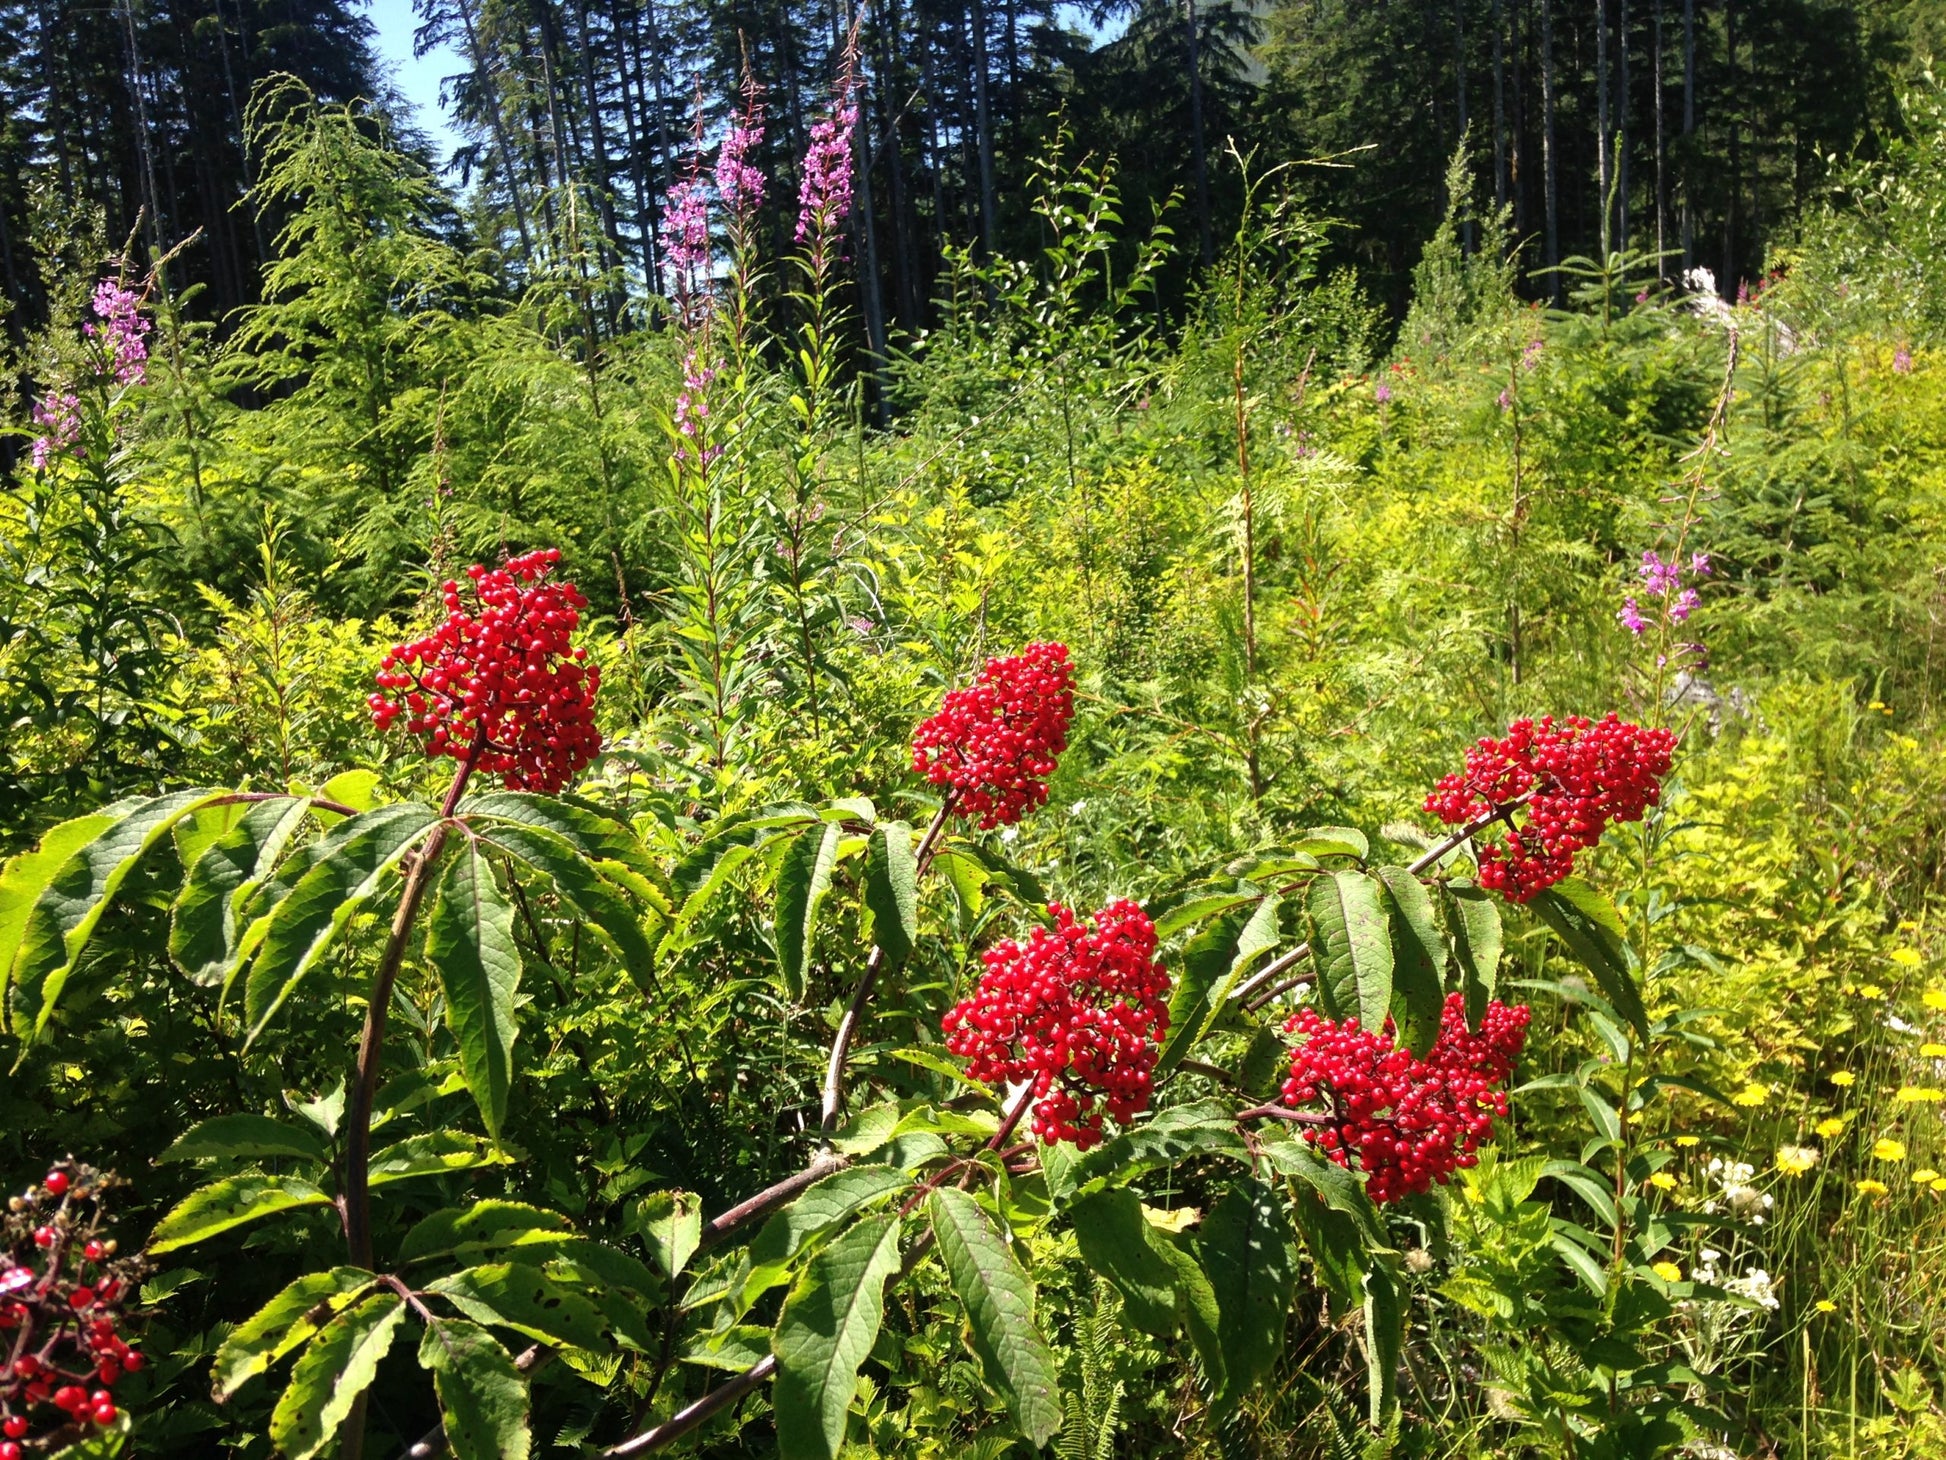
x,y
829,1324
1248,1250
284,1324
1352,947
1587,923
582,887
1115,1239
229,1203
207,915
246,1135
482,1398
470,940
334,1370
999,1301
892,891
69,903
1418,959
526,1300
803,880
1384,1342
1473,917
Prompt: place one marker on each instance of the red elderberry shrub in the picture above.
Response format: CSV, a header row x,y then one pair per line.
x,y
994,743
1583,774
1077,1012
499,685
1406,1122
62,1298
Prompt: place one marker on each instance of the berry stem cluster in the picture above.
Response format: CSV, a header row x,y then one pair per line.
x,y
63,1296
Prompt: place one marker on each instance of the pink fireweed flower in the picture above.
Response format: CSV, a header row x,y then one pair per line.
x,y
824,193
1531,356
58,414
1664,581
739,185
1382,393
122,331
1902,360
686,226
692,413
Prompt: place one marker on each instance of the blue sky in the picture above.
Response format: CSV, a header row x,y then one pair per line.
x,y
417,79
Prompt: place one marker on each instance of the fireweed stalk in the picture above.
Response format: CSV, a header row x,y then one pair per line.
x,y
824,204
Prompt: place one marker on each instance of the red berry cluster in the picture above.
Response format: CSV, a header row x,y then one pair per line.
x,y
62,1292
501,689
1409,1122
1077,1012
994,743
1582,774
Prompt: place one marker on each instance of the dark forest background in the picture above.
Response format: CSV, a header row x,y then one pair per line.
x,y
1696,128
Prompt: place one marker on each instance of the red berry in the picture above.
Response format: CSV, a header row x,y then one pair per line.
x,y
1410,1122
94,1252
503,687
43,1237
1078,1013
104,1413
131,1361
81,1297
27,1366
71,1397
56,1183
1580,775
9,1450
14,1426
995,742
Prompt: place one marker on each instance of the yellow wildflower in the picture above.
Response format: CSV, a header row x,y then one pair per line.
x,y
1935,999
1829,1127
1796,1160
1687,1141
1933,1051
1663,1181
1869,1187
1870,991
1887,1149
1924,1175
1825,1305
1907,957
1667,1271
1938,1183
1919,1095
1844,1079
1751,1095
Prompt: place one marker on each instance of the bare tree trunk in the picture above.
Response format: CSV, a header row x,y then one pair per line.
x,y
871,295
983,120
1622,100
903,250
1661,152
1602,154
1688,132
1499,107
1550,172
502,143
1728,278
1198,151
630,77
1459,92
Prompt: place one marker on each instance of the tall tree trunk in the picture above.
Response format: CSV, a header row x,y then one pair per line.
x,y
1688,132
630,76
1550,170
1623,98
1198,147
903,249
598,142
934,159
57,111
1499,108
1728,279
1661,152
871,296
1603,156
983,120
1459,97
138,99
1520,35
490,92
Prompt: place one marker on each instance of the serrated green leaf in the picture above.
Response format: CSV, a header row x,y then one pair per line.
x,y
671,1222
1588,924
432,1154
1341,1191
596,835
582,887
482,1398
470,940
828,1326
1116,1240
305,923
63,915
1352,947
205,921
482,1227
1204,1128
282,1325
999,1302
524,1298
230,1203
1247,1248
1384,1342
1474,918
1418,958
1330,841
246,1135
1204,962
26,876
335,1369
803,879
821,1207
1197,909
892,891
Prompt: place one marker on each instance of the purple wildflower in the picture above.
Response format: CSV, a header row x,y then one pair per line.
x,y
1531,356
1684,604
1631,617
1381,392
122,330
687,225
1664,580
1902,360
1506,399
824,193
692,413
58,414
738,184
